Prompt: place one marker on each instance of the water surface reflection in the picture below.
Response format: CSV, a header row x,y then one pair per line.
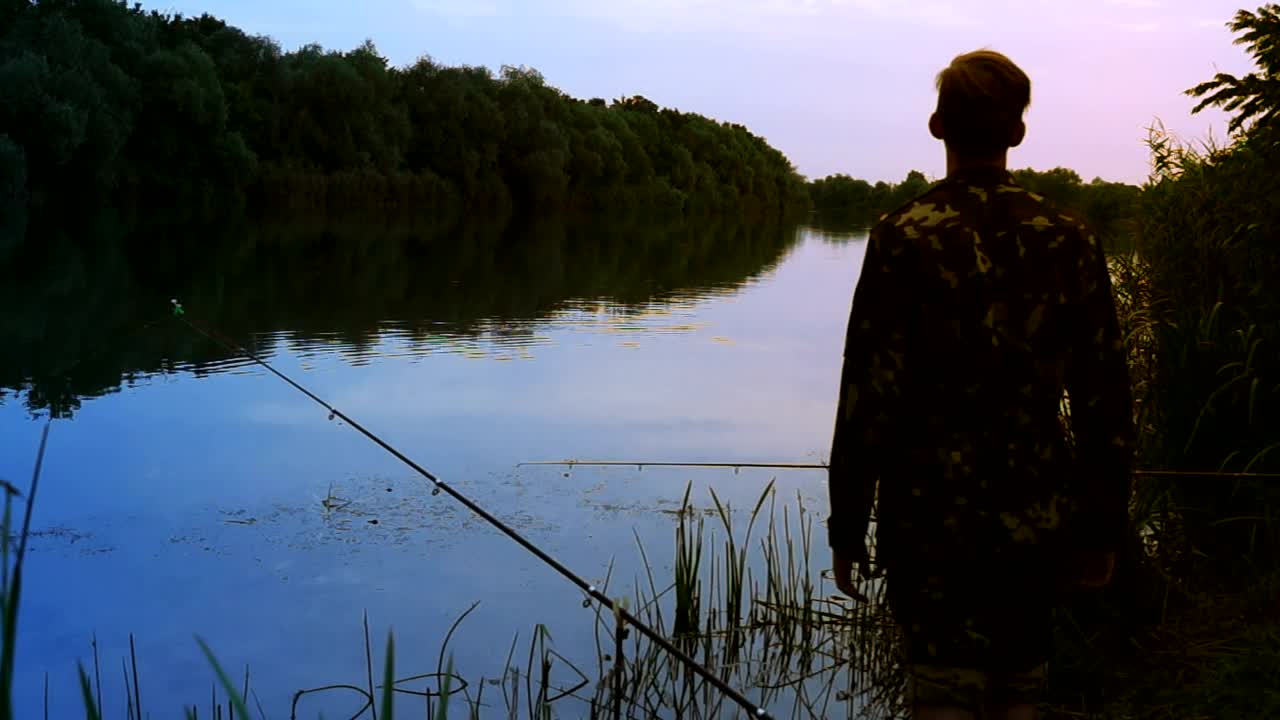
x,y
189,492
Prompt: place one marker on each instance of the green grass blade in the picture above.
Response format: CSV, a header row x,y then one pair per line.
x,y
442,689
91,711
389,679
7,596
368,664
228,686
13,590
442,713
4,545
764,495
723,512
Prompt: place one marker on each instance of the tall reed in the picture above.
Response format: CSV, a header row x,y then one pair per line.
x,y
1205,347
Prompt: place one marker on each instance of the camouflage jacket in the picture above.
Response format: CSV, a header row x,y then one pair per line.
x,y
978,305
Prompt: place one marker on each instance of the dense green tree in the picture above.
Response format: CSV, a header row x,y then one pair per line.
x,y
105,97
13,170
913,185
191,106
66,103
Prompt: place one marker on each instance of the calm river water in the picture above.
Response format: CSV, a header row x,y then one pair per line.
x,y
187,492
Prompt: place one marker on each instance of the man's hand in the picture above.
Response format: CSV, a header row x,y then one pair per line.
x,y
842,566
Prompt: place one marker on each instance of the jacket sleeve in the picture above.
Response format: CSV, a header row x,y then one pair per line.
x,y
1101,405
872,364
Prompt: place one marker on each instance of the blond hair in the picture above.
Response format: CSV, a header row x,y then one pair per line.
x,y
981,98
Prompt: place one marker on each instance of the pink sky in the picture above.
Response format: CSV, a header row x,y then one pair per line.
x,y
837,85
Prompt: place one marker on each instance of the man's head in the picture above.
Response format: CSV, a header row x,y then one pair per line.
x,y
981,98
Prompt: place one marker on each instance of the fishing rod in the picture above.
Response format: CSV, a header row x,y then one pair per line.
x,y
591,590
641,464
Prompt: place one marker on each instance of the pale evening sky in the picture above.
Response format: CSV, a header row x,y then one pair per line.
x,y
837,85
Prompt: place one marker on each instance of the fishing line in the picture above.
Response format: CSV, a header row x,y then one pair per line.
x,y
591,590
641,464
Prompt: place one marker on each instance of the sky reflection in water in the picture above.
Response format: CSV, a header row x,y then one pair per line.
x,y
186,504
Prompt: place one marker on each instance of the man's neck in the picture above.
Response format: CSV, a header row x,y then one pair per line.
x,y
957,164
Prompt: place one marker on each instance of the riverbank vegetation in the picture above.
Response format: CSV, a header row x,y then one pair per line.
x,y
1189,629
103,99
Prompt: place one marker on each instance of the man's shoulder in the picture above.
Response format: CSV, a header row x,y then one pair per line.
x,y
960,204
1035,209
1039,214
942,205
938,193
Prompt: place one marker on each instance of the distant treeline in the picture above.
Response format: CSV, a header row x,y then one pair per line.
x,y
100,98
1105,205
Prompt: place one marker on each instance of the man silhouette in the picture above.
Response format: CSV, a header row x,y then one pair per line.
x,y
979,307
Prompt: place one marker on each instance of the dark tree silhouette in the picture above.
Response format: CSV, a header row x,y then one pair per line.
x,y
1255,98
103,98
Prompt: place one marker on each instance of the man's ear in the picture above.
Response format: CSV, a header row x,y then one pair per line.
x,y
935,126
1019,132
